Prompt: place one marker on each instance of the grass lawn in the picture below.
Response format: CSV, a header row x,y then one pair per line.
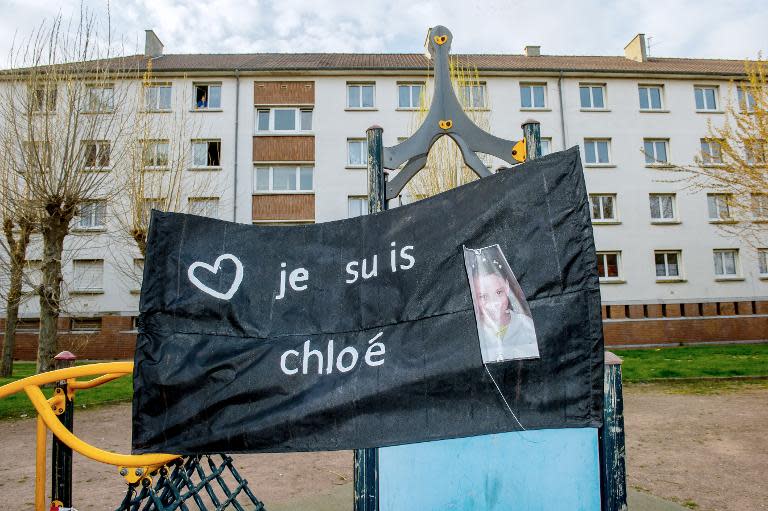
x,y
18,405
694,362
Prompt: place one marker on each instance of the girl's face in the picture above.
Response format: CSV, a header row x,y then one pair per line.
x,y
493,298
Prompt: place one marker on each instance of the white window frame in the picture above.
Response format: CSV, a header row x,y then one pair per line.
x,y
648,87
597,162
721,202
665,254
762,262
78,275
150,203
271,190
531,86
600,199
208,202
548,142
105,98
759,206
755,151
654,157
208,106
711,152
719,253
410,86
355,201
32,274
363,153
49,98
661,219
359,86
100,146
592,86
297,120
619,278
155,154
206,142
745,99
715,97
93,210
158,97
467,93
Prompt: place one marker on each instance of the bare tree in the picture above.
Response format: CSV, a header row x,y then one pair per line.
x,y
733,163
64,113
445,167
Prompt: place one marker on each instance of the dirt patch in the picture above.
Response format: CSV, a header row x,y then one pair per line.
x,y
706,451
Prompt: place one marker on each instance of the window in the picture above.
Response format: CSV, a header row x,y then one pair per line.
x,y
726,263
608,266
655,151
204,206
603,207
85,324
37,155
282,179
28,325
283,119
206,153
762,261
546,146
746,99
88,275
33,276
42,99
357,206
667,264
760,206
155,154
138,273
100,98
754,151
706,98
92,215
718,206
357,152
157,98
409,95
592,96
651,97
207,96
472,96
711,153
533,95
596,151
662,207
360,95
96,154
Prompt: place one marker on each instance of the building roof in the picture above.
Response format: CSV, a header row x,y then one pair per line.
x,y
413,62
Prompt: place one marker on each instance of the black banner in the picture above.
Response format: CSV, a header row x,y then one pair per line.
x,y
363,332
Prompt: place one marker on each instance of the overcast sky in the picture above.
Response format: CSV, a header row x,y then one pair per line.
x,y
678,28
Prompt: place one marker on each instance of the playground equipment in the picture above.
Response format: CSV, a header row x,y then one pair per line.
x,y
158,482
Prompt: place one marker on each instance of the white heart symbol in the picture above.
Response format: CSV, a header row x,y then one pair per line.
x,y
215,269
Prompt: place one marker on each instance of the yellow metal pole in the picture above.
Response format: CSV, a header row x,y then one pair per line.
x,y
42,434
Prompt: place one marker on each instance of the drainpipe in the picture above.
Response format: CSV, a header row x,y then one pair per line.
x,y
237,137
562,112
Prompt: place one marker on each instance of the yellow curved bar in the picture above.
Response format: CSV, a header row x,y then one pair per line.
x,y
89,384
65,374
57,428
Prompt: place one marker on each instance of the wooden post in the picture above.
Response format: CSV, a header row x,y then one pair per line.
x,y
613,474
367,460
532,135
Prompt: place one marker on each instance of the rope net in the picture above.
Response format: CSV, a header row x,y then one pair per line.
x,y
192,483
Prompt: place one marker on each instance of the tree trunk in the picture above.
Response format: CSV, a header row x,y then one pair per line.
x,y
18,253
55,228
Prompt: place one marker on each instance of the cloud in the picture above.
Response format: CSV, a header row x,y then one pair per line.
x,y
679,28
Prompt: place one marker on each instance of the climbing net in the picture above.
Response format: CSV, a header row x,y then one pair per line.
x,y
204,483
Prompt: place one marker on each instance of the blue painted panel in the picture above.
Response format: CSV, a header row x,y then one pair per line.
x,y
543,470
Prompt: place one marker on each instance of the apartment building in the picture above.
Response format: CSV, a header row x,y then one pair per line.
x,y
281,140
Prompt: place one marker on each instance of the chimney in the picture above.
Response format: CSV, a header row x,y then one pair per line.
x,y
533,51
636,49
153,48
